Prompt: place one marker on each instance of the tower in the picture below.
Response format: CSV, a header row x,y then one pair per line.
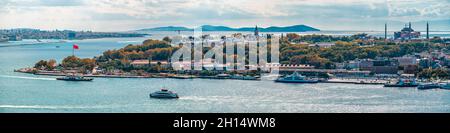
x,y
256,31
410,30
428,31
385,31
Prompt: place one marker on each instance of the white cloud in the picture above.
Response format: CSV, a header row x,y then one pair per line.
x,y
109,15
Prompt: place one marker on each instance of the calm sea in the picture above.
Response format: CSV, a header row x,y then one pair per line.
x,y
29,93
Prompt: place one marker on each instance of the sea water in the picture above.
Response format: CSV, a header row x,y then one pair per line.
x,y
31,93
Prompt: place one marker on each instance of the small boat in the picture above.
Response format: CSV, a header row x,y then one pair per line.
x,y
445,86
242,77
74,78
182,77
403,83
223,76
427,86
295,78
164,94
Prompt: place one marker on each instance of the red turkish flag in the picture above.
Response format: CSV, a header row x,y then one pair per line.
x,y
75,46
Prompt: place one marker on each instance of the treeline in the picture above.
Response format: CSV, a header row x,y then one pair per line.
x,y
154,49
346,51
148,50
296,38
346,48
84,65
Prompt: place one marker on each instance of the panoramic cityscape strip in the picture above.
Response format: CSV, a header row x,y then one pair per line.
x,y
224,56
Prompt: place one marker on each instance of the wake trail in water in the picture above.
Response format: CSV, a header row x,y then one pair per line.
x,y
127,41
20,77
48,107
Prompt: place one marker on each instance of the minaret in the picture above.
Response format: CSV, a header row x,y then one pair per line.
x,y
428,31
256,31
410,30
385,31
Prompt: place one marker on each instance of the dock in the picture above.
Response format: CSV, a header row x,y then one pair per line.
x,y
355,81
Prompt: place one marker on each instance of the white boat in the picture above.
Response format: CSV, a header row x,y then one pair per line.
x,y
428,86
403,83
164,94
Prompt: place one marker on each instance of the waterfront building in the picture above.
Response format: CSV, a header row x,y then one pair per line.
x,y
385,67
349,65
410,69
295,66
407,33
406,60
365,65
340,65
72,35
15,38
379,66
353,65
425,63
147,63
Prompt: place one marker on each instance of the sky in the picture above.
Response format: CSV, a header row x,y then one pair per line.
x,y
125,15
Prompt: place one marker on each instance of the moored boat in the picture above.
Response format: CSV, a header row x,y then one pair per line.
x,y
242,77
428,86
403,83
223,76
445,86
74,78
164,94
295,78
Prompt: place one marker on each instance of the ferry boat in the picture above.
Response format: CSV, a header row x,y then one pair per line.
x,y
295,78
403,83
164,94
74,78
428,86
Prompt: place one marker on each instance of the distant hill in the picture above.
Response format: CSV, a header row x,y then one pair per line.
x,y
294,28
168,28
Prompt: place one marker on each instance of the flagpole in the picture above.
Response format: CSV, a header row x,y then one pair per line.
x,y
73,50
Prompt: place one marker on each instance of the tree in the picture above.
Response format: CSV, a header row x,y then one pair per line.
x,y
434,73
41,64
167,39
88,64
71,62
51,64
292,36
46,65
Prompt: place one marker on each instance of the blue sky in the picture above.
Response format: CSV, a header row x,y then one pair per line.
x,y
123,15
